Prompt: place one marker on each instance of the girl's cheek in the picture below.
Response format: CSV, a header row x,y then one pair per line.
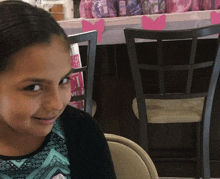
x,y
67,95
21,103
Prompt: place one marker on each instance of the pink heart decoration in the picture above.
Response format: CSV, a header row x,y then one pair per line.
x,y
98,25
150,24
215,17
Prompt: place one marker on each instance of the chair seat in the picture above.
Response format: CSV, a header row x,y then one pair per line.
x,y
172,110
132,167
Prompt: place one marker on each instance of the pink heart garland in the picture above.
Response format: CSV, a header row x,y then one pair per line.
x,y
215,17
98,25
150,24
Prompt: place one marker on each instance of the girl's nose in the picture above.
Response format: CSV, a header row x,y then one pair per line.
x,y
53,101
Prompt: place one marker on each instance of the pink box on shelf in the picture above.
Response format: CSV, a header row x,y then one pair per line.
x,y
153,6
85,9
178,6
209,4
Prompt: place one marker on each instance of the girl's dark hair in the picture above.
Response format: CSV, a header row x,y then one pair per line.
x,y
21,25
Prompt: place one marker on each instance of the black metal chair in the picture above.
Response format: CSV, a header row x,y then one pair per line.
x,y
166,105
88,70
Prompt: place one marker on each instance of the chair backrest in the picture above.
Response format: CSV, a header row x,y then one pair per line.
x,y
88,70
162,37
160,65
129,159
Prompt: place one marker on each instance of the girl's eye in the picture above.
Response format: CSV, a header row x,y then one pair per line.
x,y
65,80
33,88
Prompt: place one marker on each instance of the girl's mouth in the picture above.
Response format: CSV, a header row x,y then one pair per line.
x,y
49,118
46,121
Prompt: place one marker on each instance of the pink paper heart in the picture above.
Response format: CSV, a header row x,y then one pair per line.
x,y
215,17
98,25
150,24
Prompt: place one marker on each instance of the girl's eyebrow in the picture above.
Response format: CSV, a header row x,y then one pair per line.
x,y
40,80
71,71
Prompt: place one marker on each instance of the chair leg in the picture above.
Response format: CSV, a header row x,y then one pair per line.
x,y
205,148
143,134
198,151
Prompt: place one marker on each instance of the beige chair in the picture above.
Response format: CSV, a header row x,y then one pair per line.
x,y
130,160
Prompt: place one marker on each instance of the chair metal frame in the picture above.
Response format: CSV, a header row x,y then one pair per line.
x,y
91,37
130,36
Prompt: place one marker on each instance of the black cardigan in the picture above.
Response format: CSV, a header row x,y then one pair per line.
x,y
88,151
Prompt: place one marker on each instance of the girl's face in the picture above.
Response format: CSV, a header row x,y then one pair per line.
x,y
36,87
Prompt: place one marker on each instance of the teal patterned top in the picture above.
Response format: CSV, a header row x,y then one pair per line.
x,y
49,161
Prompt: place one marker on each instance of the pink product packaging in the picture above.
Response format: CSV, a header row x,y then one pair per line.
x,y
85,9
134,7
153,6
178,6
104,8
122,6
195,5
112,4
76,80
209,4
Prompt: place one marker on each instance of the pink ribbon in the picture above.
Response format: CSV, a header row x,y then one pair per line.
x,y
98,25
215,17
158,24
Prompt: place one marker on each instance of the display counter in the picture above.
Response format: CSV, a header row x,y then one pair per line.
x,y
113,27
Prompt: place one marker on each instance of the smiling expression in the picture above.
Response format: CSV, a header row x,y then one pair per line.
x,y
35,87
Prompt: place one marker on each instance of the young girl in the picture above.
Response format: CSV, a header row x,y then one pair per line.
x,y
41,136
